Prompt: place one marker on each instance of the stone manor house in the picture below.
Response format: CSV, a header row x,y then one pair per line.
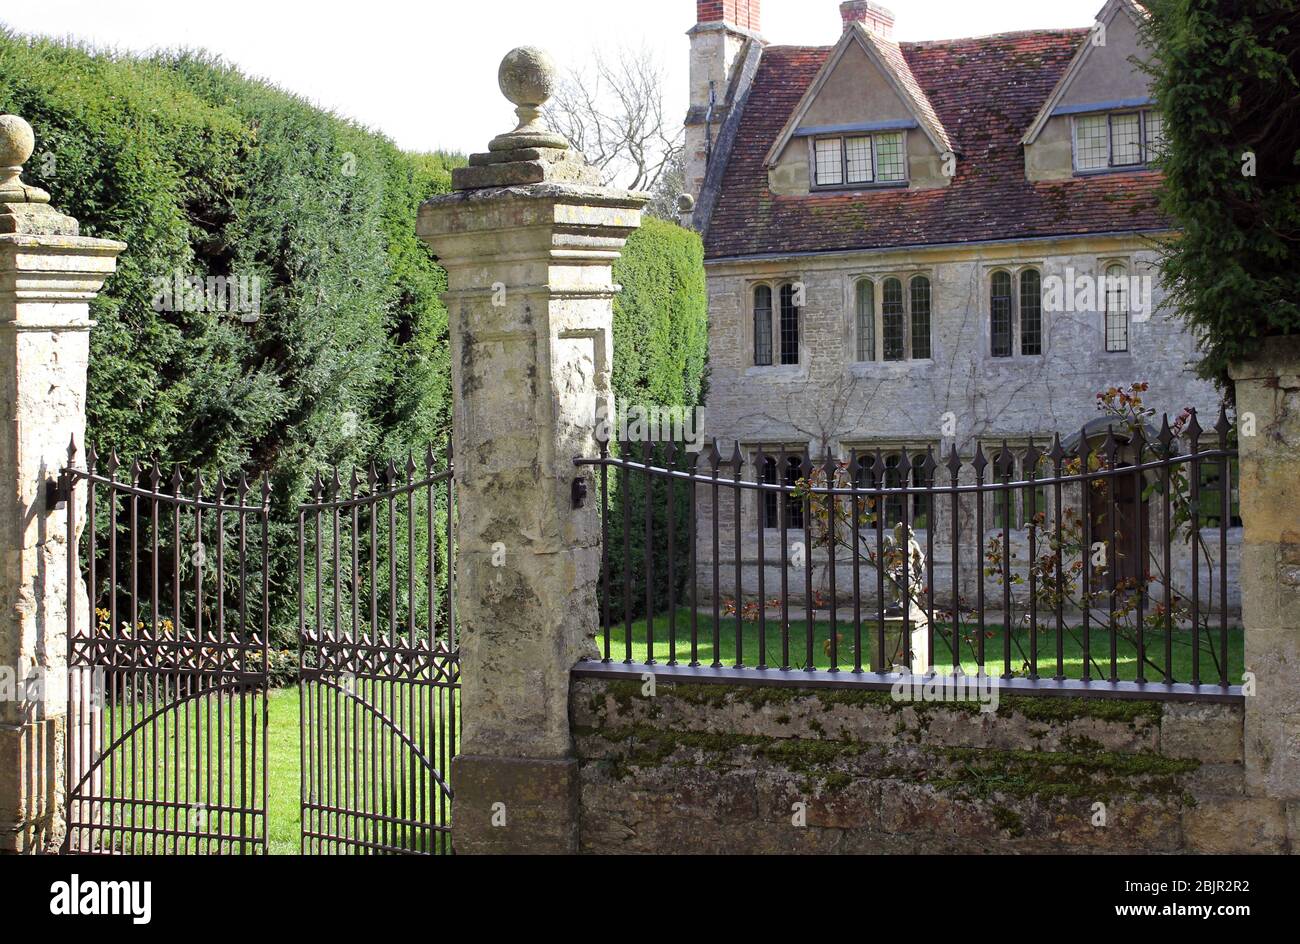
x,y
904,243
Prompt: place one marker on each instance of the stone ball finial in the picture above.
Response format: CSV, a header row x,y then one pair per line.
x,y
17,141
527,76
24,208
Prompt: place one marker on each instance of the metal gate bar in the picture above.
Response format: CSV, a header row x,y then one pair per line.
x,y
168,672
378,667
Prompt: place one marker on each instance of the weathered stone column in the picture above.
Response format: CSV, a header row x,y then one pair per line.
x,y
48,275
1268,417
528,239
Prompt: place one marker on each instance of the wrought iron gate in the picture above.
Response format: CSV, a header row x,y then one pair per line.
x,y
167,654
169,622
378,667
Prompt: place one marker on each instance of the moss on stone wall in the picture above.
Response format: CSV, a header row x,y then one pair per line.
x,y
648,746
717,766
1097,775
1031,707
1049,709
968,773
1081,768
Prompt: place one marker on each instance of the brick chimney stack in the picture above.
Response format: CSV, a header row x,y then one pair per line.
x,y
742,13
723,31
874,17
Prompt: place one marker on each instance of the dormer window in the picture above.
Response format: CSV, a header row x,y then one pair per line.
x,y
858,160
1116,140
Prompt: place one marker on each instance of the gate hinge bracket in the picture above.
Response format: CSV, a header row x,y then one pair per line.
x,y
57,491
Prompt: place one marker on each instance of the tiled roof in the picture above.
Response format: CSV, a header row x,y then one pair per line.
x,y
986,92
892,53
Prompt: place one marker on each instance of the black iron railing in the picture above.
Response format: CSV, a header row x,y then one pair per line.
x,y
379,660
167,655
1098,564
170,662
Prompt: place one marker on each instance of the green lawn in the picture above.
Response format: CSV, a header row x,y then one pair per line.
x,y
284,746
163,762
1126,662
282,774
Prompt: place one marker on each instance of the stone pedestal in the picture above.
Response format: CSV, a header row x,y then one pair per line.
x,y
917,629
1268,404
48,275
528,242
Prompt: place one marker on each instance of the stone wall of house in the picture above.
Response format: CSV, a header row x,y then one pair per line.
x,y
830,400
707,768
959,397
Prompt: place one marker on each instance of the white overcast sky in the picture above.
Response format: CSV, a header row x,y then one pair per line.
x,y
424,71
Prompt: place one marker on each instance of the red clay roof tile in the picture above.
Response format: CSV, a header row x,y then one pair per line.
x,y
986,91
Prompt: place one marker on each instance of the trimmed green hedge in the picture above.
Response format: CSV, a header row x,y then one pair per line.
x,y
660,350
1228,85
660,324
203,171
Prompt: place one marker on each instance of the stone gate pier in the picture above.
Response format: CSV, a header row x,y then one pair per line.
x,y
528,238
1268,417
48,276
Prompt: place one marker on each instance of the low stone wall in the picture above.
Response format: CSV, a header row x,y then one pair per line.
x,y
710,768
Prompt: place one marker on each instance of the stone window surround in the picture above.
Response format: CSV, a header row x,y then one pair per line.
x,y
776,368
992,445
844,453
1143,144
1104,264
915,449
941,518
1014,269
872,184
771,450
877,277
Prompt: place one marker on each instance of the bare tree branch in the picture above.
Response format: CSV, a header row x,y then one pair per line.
x,y
613,111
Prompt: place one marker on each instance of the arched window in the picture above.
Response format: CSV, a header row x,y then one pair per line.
x,y
1000,314
891,320
789,325
920,317
891,476
770,519
1031,312
763,326
893,503
866,319
901,331
793,505
1116,308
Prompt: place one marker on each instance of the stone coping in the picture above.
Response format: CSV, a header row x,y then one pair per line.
x,y
86,244
569,193
847,679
